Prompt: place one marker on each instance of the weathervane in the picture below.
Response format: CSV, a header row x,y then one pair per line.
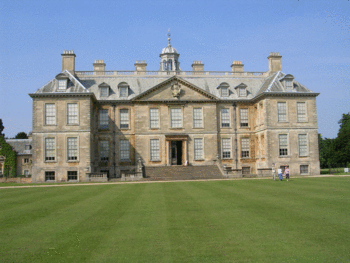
x,y
169,36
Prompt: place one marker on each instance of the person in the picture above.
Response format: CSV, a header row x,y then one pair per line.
x,y
286,171
280,175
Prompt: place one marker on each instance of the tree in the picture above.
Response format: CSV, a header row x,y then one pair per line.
x,y
21,135
1,128
342,142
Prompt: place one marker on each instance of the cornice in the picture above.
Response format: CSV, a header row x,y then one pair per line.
x,y
62,94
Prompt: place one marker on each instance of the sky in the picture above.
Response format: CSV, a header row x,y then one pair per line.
x,y
313,38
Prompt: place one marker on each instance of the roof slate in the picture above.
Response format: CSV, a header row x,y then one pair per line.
x,y
19,145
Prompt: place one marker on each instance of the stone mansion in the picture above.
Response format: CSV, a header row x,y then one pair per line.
x,y
110,122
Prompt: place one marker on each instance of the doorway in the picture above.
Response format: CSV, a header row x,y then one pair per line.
x,y
176,152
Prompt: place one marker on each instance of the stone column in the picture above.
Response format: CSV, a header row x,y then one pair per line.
x,y
167,149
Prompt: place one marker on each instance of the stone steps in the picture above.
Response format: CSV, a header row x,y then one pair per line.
x,y
167,173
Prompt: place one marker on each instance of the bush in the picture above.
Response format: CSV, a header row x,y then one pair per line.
x,y
13,172
6,171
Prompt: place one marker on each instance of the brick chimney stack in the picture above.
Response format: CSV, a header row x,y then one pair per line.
x,y
68,61
275,63
237,66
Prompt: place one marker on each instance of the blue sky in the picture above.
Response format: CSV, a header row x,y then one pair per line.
x,y
312,36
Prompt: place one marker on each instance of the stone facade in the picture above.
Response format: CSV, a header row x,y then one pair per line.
x,y
108,122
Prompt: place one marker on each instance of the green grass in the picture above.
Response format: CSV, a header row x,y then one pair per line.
x,y
303,220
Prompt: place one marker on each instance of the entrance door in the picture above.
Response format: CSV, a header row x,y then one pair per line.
x,y
176,152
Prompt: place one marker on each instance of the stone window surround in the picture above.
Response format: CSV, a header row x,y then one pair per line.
x,y
99,150
202,119
45,113
149,112
181,107
279,146
121,86
222,148
308,168
50,171
55,149
99,119
159,149
78,107
247,118
124,150
245,151
194,149
74,180
229,118
66,147
129,117
307,145
278,111
305,109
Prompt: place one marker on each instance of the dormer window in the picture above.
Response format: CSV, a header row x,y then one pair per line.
x,y
287,81
62,84
224,89
123,90
241,90
104,90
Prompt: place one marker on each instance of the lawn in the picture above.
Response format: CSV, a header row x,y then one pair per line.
x,y
303,220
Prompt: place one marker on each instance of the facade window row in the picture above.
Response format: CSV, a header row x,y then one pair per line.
x,y
283,145
282,115
72,114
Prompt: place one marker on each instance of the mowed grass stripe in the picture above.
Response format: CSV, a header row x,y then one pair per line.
x,y
140,234
292,216
49,230
221,221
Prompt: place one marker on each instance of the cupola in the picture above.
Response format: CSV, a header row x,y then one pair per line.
x,y
169,58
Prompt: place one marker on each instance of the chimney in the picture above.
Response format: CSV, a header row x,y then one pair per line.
x,y
237,66
68,61
197,67
99,66
274,62
140,67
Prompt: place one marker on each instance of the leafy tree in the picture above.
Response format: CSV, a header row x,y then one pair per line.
x,y
1,127
21,135
342,142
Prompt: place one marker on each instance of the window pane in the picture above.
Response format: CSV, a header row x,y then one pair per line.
x,y
104,150
225,118
302,138
245,147
154,118
197,118
72,113
124,119
244,117
49,176
50,114
304,169
104,122
124,150
242,92
50,149
72,149
72,175
226,148
301,112
224,92
104,92
283,144
155,150
282,111
62,84
176,118
123,92
198,149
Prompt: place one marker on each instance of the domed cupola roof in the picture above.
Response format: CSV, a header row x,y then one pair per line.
x,y
169,49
